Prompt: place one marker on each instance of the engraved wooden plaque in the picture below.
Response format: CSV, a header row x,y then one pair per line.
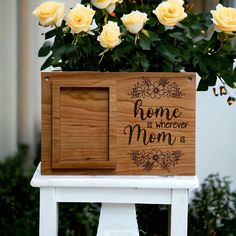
x,y
117,123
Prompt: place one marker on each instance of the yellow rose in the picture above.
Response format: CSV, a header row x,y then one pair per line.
x,y
116,1
50,13
110,35
109,5
169,13
80,18
179,2
134,21
112,6
224,18
101,4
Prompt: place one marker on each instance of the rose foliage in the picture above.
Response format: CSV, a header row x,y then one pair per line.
x,y
140,35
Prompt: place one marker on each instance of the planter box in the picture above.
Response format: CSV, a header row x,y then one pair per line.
x,y
118,123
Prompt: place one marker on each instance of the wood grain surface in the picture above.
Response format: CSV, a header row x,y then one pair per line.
x,y
118,123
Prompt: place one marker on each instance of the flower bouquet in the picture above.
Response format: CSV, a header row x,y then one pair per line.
x,y
141,35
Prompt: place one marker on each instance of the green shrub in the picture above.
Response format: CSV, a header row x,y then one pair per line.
x,y
213,210
152,219
78,219
18,200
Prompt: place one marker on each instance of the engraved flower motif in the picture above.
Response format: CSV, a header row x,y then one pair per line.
x,y
169,90
164,81
172,158
165,164
141,89
175,157
139,158
148,166
172,91
155,90
155,156
150,159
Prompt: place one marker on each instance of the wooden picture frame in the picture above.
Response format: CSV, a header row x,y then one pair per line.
x,y
118,123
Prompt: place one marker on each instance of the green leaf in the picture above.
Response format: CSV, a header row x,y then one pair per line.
x,y
145,32
47,63
229,78
144,41
179,36
144,62
50,33
167,66
202,66
203,85
145,44
65,49
212,80
152,35
120,52
226,47
152,21
45,49
168,51
222,36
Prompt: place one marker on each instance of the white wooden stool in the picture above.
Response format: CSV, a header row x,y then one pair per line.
x,y
118,195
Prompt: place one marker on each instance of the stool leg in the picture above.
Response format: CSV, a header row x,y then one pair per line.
x,y
48,224
118,220
179,212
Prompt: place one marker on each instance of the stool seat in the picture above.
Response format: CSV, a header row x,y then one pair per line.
x,y
118,195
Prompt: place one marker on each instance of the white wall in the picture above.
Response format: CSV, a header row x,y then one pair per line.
x,y
216,136
8,77
29,97
29,78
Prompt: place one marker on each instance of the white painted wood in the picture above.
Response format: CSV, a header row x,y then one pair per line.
x,y
109,195
179,212
118,220
48,212
158,182
118,194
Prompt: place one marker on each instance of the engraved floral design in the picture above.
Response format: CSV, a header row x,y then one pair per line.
x,y
172,90
140,157
141,89
156,158
156,89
